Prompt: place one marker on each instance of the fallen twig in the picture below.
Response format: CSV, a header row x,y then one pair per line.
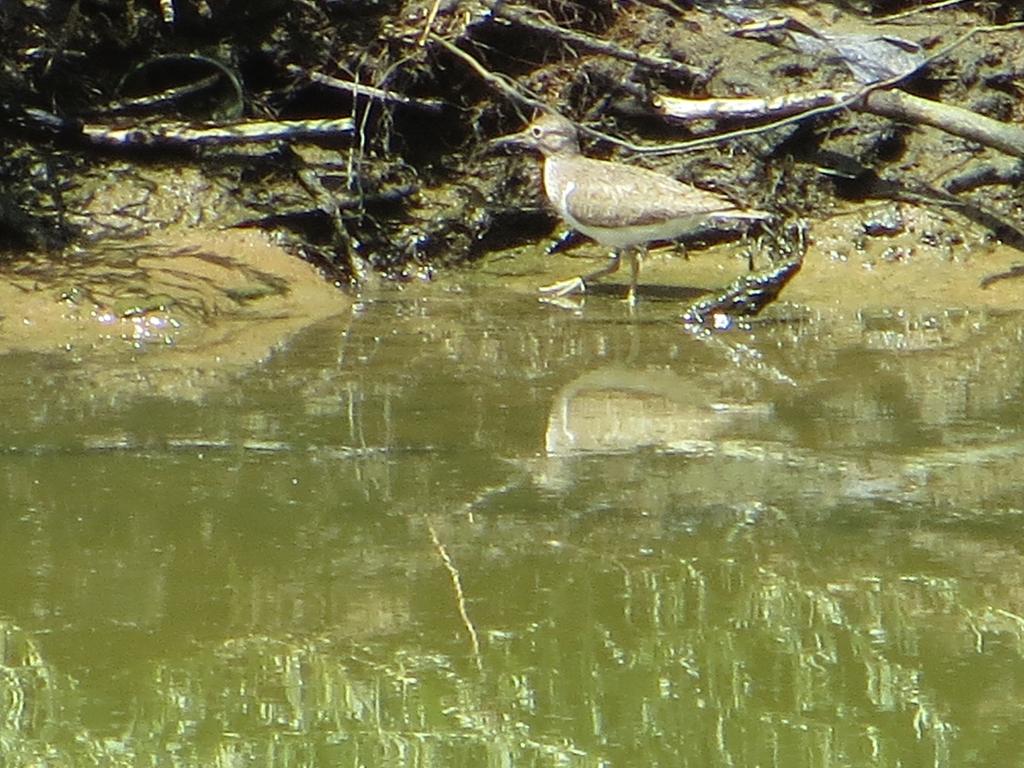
x,y
919,9
955,120
746,108
188,134
158,100
382,94
329,204
505,84
919,193
658,64
669,6
893,104
844,102
985,175
749,294
173,93
1009,274
431,15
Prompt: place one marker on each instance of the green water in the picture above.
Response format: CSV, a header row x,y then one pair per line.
x,y
468,530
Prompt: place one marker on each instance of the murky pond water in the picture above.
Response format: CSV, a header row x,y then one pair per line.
x,y
466,529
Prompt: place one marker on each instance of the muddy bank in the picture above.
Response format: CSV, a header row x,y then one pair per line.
x,y
361,129
167,315
359,135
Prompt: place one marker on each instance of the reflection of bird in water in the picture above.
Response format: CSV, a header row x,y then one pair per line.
x,y
613,410
619,206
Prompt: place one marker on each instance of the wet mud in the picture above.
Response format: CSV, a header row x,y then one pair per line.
x,y
371,159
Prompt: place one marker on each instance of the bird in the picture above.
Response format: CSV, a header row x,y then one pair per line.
x,y
622,207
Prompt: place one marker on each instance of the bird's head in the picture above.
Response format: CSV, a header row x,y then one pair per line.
x,y
550,133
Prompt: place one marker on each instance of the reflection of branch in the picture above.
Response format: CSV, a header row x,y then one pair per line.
x,y
486,494
460,596
1007,614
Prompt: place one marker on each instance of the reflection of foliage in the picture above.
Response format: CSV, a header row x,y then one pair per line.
x,y
32,699
678,662
302,703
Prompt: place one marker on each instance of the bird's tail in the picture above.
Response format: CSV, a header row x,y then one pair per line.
x,y
737,218
743,215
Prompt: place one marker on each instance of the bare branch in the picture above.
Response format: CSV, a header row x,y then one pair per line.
x,y
501,82
748,108
188,134
429,23
955,120
845,100
596,45
894,104
382,94
919,9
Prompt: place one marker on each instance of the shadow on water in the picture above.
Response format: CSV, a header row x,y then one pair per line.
x,y
469,530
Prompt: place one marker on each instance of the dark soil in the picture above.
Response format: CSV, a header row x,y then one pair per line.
x,y
414,186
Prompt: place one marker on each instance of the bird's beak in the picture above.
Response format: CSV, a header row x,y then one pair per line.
x,y
521,139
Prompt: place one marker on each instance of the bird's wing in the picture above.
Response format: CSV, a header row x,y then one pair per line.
x,y
628,196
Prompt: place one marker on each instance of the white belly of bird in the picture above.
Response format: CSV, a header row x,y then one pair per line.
x,y
628,236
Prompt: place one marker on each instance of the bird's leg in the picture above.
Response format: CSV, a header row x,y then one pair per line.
x,y
579,284
635,254
565,287
610,268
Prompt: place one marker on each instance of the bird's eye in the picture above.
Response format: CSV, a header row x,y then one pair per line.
x,y
535,132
